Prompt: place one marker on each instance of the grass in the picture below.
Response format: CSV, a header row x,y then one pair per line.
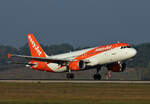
x,y
71,93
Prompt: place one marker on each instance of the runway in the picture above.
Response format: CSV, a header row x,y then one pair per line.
x,y
70,81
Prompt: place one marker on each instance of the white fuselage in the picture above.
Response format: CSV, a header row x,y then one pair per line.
x,y
106,57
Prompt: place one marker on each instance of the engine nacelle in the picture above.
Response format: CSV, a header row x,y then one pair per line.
x,y
115,67
77,65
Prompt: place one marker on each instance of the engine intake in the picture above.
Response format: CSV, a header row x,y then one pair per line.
x,y
77,65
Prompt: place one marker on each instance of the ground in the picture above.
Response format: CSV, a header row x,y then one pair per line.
x,y
74,93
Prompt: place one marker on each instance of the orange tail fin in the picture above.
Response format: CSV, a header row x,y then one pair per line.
x,y
35,48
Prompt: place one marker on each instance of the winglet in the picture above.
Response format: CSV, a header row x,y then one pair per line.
x,y
9,55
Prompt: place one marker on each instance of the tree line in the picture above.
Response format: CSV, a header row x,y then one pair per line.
x,y
142,59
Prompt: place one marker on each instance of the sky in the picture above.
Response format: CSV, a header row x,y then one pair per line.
x,y
77,22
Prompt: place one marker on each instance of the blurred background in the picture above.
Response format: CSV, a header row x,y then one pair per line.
x,y
68,25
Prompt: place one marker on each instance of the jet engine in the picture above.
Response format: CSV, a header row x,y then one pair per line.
x,y
77,65
116,67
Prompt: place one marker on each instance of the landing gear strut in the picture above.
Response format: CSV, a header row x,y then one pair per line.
x,y
69,75
97,76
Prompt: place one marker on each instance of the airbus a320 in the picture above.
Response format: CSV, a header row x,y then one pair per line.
x,y
111,56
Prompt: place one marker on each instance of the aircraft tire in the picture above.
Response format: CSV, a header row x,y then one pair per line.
x,y
97,77
70,76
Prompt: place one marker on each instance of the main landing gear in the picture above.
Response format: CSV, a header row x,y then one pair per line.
x,y
97,76
69,75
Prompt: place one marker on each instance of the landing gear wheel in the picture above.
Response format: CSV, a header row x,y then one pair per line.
x,y
97,77
70,76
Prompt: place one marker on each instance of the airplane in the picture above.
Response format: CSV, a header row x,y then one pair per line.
x,y
111,56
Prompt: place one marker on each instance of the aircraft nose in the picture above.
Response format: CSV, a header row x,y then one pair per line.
x,y
133,52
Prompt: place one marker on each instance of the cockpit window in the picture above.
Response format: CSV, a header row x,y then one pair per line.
x,y
125,47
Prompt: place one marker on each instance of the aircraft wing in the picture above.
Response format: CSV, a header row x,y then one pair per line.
x,y
52,60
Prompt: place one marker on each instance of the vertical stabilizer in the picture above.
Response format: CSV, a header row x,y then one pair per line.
x,y
35,48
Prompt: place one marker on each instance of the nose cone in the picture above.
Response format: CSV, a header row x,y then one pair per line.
x,y
132,52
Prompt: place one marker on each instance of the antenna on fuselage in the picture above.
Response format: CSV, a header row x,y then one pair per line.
x,y
118,41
